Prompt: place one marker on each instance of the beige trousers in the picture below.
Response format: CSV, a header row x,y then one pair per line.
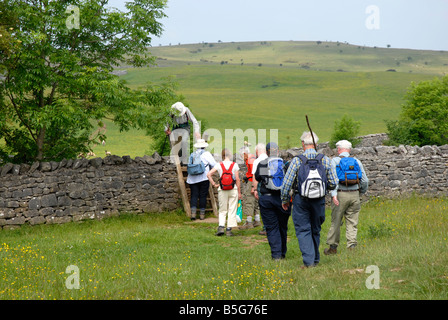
x,y
250,205
349,208
228,205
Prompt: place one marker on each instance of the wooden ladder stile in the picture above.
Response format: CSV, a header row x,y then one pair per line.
x,y
186,193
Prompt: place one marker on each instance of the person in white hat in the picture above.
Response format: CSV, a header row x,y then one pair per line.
x,y
345,198
199,183
181,117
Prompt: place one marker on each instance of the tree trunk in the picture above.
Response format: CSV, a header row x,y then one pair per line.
x,y
40,144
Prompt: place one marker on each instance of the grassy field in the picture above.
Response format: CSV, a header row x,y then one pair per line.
x,y
127,143
272,85
165,256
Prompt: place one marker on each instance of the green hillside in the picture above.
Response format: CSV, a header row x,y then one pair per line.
x,y
272,85
326,56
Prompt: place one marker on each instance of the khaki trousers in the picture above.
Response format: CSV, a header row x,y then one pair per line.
x,y
349,208
228,204
250,205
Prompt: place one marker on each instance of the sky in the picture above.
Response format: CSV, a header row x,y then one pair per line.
x,y
413,24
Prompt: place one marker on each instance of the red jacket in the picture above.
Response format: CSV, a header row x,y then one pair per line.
x,y
249,164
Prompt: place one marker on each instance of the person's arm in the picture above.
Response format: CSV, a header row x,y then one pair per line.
x,y
196,128
255,183
334,192
288,182
167,129
238,184
209,159
254,180
209,176
332,176
364,180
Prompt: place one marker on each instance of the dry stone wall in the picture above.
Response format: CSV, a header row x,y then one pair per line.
x,y
397,170
82,189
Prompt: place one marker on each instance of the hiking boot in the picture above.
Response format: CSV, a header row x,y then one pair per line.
x,y
229,233
353,246
257,223
202,215
262,232
247,225
220,231
331,250
193,214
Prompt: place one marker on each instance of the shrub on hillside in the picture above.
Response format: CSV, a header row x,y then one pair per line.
x,y
345,129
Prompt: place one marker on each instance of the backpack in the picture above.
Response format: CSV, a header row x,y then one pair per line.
x,y
348,171
312,177
275,174
226,181
195,165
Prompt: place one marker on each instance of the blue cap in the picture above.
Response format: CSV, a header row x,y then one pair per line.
x,y
271,145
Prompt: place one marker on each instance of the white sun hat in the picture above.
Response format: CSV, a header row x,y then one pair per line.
x,y
200,143
179,108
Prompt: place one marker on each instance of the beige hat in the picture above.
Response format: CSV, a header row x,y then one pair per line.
x,y
200,143
179,109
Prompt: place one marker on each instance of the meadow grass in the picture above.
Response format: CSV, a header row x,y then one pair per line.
x,y
165,256
131,143
250,97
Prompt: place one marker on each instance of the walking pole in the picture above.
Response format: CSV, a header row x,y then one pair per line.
x,y
164,143
311,131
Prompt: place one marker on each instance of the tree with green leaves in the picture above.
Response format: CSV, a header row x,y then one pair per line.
x,y
423,118
56,81
345,128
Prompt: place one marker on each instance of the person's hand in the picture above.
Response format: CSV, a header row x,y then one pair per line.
x,y
335,200
256,195
168,132
197,135
216,185
252,190
240,196
285,206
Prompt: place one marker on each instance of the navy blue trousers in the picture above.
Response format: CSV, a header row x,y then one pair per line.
x,y
199,191
275,219
308,216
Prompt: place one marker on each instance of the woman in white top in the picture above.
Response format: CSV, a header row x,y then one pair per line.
x,y
199,184
227,199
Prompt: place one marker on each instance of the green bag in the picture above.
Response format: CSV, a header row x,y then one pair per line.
x,y
239,212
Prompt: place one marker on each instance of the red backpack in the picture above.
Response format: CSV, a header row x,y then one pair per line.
x,y
226,181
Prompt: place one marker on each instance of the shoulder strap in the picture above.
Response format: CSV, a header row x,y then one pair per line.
x,y
303,158
224,170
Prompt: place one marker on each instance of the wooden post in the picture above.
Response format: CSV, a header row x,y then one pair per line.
x,y
183,190
211,193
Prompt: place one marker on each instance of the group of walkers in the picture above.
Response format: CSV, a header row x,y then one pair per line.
x,y
274,190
